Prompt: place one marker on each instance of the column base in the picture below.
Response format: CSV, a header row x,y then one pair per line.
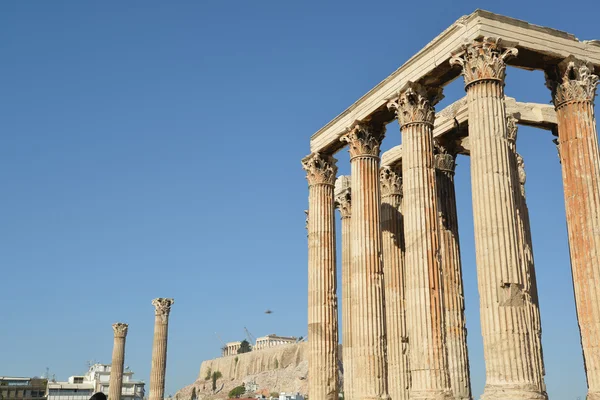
x,y
512,392
430,395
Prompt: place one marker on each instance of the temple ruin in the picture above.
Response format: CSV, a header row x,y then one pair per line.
x,y
403,332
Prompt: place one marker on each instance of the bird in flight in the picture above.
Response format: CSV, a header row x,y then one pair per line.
x,y
268,312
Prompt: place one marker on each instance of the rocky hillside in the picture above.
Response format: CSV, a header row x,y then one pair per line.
x,y
278,369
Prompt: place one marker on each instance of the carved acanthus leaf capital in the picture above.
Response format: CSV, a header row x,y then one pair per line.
x,y
162,306
391,181
443,159
343,202
511,128
572,80
120,329
320,169
364,139
483,59
415,104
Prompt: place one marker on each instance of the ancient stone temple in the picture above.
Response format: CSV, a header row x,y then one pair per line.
x,y
404,330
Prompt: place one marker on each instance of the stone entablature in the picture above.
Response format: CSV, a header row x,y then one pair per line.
x,y
432,65
455,118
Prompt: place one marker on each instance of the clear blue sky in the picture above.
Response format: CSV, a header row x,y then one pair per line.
x,y
152,149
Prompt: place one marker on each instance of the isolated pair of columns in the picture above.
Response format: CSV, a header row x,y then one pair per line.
x,y
162,307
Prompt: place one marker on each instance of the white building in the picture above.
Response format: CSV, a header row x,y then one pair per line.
x,y
81,387
273,340
290,396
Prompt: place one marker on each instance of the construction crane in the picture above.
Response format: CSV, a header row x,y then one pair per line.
x,y
219,337
251,338
224,346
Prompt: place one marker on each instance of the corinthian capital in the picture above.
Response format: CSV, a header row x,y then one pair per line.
x,y
443,159
343,202
572,80
391,181
483,59
320,169
364,139
343,196
162,306
120,329
415,104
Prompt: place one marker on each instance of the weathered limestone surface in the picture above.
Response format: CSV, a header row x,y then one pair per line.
x,y
425,319
256,362
162,309
452,281
368,314
526,252
343,202
573,86
392,230
504,311
322,284
118,359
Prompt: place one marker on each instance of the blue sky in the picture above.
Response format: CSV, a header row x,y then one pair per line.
x,y
152,149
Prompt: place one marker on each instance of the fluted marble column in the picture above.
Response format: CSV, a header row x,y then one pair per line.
x,y
573,87
452,281
510,360
118,359
343,202
368,314
162,309
322,284
526,251
392,230
424,304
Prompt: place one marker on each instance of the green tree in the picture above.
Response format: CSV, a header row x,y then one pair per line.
x,y
194,396
244,347
237,391
274,394
215,375
208,375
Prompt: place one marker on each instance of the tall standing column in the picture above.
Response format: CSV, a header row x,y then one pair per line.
x,y
322,284
503,307
574,87
118,359
368,314
424,304
343,202
392,230
159,347
452,281
526,251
